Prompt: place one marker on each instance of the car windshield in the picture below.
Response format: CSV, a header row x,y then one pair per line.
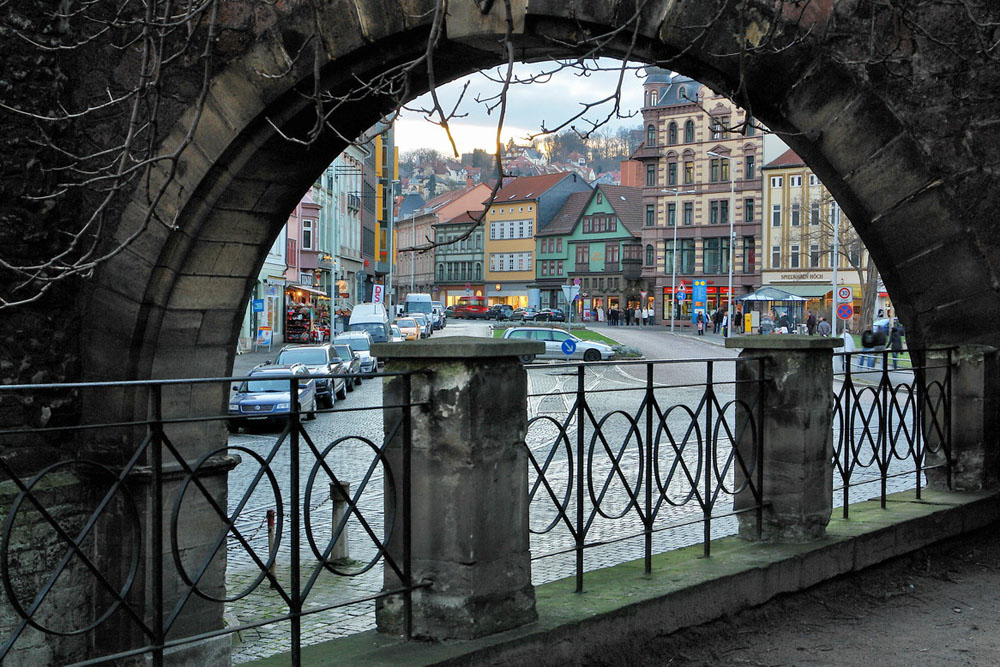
x,y
344,352
407,324
360,344
314,356
374,329
418,307
260,384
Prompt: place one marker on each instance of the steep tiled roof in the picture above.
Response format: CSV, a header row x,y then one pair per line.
x,y
528,187
445,197
787,159
627,204
565,219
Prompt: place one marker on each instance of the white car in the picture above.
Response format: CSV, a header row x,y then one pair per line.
x,y
397,335
556,339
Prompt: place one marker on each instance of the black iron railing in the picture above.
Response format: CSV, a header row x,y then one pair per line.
x,y
635,469
130,544
892,415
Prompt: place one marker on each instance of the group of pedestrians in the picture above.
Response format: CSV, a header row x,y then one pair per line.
x,y
873,343
619,317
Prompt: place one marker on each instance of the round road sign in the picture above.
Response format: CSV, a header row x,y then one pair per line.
x,y
568,346
681,296
844,293
845,311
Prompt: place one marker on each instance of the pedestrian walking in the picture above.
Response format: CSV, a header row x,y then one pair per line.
x,y
645,316
637,315
725,324
895,344
868,346
848,346
739,319
652,315
700,321
823,328
811,323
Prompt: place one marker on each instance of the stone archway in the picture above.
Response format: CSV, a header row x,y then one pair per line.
x,y
909,174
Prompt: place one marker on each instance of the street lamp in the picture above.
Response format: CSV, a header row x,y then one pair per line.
x,y
732,239
673,263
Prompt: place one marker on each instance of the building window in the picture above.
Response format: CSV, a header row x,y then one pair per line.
x,y
687,256
611,255
582,252
600,197
796,214
776,257
814,213
651,135
441,272
671,173
713,216
813,179
545,268
688,213
795,181
724,168
671,214
749,167
668,256
814,255
650,174
793,256
649,255
776,215
713,170
719,125
688,173
688,132
749,129
776,181
711,256
748,212
588,225
559,244
559,267
719,212
749,255
672,133
307,233
479,271
650,215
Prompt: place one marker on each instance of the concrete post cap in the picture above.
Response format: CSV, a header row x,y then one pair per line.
x,y
458,347
784,342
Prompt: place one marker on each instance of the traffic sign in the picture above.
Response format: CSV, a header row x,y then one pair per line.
x,y
568,346
681,296
845,311
576,281
844,293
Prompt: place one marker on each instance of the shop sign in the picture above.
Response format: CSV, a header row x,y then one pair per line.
x,y
264,336
258,305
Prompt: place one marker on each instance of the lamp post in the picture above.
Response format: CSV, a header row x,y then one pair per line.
x,y
673,262
835,260
732,240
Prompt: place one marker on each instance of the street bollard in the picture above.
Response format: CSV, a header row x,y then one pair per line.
x,y
270,544
339,493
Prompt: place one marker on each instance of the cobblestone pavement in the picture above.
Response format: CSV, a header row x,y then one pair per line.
x,y
613,463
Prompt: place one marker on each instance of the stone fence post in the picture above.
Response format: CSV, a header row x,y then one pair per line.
x,y
797,433
975,439
469,469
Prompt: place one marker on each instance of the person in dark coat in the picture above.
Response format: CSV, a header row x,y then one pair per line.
x,y
895,344
811,323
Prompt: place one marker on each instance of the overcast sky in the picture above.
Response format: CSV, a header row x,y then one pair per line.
x,y
552,102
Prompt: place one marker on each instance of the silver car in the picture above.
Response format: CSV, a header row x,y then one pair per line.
x,y
361,344
558,341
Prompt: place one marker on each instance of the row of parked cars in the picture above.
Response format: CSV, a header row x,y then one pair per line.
x,y
502,312
328,372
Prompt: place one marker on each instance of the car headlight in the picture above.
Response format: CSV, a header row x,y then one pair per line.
x,y
284,406
234,407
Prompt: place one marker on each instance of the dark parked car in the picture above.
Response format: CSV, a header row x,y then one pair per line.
x,y
265,396
550,315
352,364
499,312
320,359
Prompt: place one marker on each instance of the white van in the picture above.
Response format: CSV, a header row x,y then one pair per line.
x,y
371,318
420,303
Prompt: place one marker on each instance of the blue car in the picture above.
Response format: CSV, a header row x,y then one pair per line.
x,y
264,397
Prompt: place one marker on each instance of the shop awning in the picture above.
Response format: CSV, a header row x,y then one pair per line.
x,y
303,288
770,294
808,291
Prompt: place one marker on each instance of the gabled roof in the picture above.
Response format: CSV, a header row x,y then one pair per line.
x,y
627,205
565,219
446,197
528,187
787,159
464,217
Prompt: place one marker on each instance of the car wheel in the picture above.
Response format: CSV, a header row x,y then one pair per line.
x,y
342,394
527,358
357,381
232,426
591,355
327,402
